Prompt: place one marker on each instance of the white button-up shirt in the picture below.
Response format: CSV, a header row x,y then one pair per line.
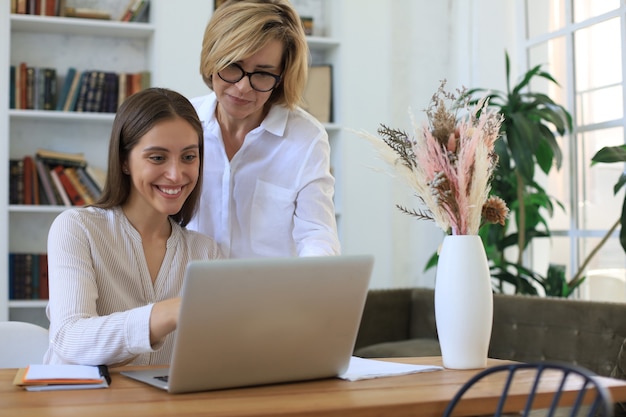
x,y
275,197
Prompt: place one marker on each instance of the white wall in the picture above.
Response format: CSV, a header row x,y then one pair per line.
x,y
394,53
179,39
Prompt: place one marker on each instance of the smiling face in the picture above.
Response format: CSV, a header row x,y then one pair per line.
x,y
164,168
239,101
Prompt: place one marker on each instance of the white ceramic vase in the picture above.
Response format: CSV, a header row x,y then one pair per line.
x,y
463,302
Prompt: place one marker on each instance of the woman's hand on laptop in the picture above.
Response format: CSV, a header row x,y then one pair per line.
x,y
163,319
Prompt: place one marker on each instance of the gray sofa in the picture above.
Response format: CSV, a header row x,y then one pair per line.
x,y
401,322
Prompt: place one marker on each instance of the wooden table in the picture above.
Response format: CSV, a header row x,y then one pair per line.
x,y
422,394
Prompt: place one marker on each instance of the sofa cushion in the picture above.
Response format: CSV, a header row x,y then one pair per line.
x,y
401,349
386,317
585,333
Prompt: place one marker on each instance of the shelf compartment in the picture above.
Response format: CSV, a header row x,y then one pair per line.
x,y
78,26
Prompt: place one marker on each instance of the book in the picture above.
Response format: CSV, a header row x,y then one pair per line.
x,y
65,88
16,181
95,103
21,86
28,180
38,88
11,275
21,7
46,182
49,8
87,13
12,81
38,377
133,9
92,186
33,292
85,84
61,158
32,7
75,88
110,93
141,11
121,88
96,80
31,181
29,89
43,277
97,175
75,198
16,276
49,88
78,185
26,276
127,13
59,188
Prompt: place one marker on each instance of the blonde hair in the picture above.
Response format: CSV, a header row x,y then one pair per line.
x,y
239,28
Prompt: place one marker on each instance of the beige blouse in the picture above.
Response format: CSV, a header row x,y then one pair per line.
x,y
101,293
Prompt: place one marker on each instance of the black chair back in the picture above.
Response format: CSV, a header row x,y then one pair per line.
x,y
601,402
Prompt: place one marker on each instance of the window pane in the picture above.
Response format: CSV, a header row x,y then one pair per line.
x,y
599,207
558,186
544,16
584,9
558,250
598,73
610,255
551,56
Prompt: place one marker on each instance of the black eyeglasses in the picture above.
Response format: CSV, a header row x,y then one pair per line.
x,y
259,80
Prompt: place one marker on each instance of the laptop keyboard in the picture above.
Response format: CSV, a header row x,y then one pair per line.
x,y
162,378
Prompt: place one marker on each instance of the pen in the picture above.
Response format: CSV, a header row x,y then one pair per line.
x,y
104,372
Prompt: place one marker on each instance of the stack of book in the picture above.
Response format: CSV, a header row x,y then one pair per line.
x,y
38,377
135,11
28,276
34,88
54,178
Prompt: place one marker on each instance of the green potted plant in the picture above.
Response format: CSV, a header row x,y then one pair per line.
x,y
531,122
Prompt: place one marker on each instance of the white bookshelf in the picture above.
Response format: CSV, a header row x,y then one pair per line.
x,y
60,43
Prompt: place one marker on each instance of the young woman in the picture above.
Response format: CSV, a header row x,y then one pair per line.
x,y
116,268
268,190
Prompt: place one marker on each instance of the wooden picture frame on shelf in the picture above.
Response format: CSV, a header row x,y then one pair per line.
x,y
318,94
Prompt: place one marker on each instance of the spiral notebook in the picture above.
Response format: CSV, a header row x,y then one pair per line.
x,y
247,322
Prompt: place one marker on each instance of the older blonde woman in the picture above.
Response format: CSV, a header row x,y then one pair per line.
x,y
267,189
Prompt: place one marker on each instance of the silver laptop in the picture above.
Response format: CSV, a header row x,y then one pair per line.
x,y
247,322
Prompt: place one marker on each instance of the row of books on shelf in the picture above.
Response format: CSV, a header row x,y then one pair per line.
x,y
135,11
54,178
28,276
35,88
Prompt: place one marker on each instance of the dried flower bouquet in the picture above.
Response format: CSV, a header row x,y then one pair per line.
x,y
450,162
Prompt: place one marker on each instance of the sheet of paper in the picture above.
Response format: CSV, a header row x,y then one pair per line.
x,y
59,387
56,372
360,368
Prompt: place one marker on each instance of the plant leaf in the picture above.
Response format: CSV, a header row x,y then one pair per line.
x,y
610,154
519,136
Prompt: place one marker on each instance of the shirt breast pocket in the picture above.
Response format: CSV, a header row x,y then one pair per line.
x,y
272,214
